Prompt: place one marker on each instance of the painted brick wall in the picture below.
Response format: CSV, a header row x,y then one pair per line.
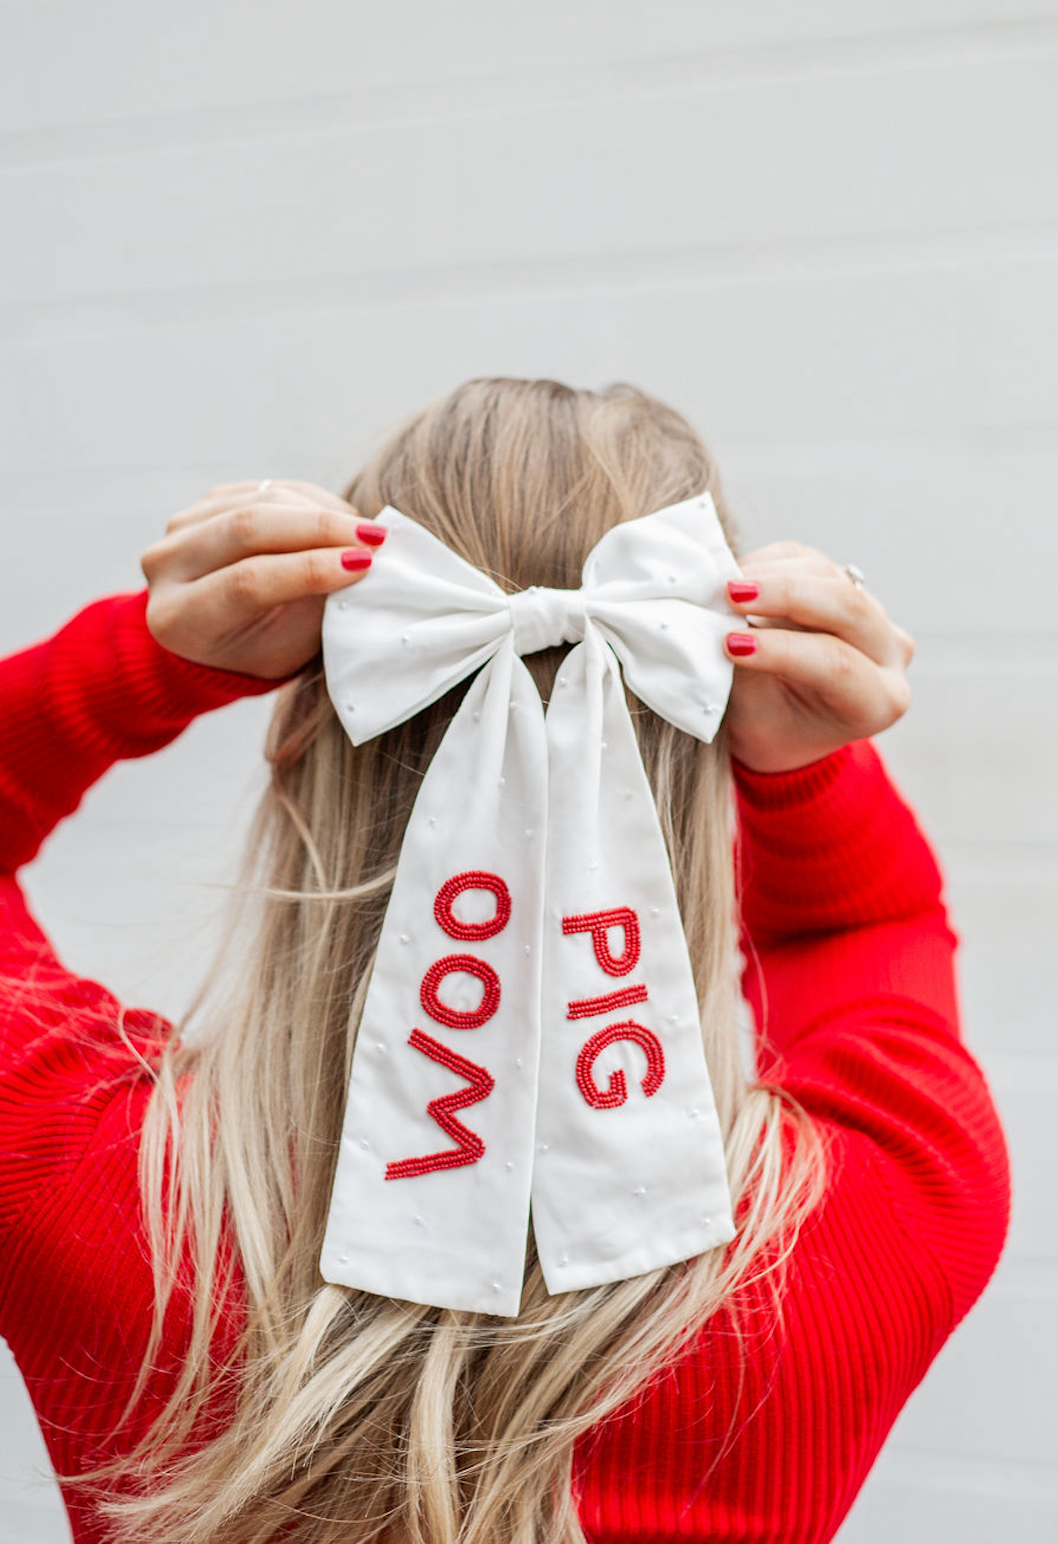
x,y
242,237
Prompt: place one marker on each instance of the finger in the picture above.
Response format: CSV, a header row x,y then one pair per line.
x,y
216,503
256,528
821,604
310,489
292,487
313,490
231,597
860,695
230,496
905,642
785,555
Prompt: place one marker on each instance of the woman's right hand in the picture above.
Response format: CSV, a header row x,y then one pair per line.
x,y
819,665
240,579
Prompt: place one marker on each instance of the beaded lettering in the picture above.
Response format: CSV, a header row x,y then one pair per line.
x,y
597,923
460,1018
617,1090
469,1147
473,879
480,1082
588,1007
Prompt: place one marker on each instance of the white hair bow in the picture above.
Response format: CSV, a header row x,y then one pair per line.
x,y
531,1031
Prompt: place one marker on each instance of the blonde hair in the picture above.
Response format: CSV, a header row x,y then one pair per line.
x,y
340,1415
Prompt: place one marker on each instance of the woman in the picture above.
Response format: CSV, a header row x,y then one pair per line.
x,y
163,1198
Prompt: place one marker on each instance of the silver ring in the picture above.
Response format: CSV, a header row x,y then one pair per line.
x,y
266,484
857,575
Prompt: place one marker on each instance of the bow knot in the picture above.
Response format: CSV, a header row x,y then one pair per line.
x,y
543,617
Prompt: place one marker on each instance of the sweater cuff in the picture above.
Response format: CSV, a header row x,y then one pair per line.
x,y
165,685
795,789
825,801
828,846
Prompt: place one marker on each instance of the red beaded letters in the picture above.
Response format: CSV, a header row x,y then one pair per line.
x,y
459,1018
473,879
596,923
469,1147
617,1090
588,1007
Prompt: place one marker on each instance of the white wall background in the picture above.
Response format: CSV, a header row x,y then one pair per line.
x,y
242,237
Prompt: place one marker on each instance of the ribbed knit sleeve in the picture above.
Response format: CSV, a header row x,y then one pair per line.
x,y
100,690
768,1427
851,975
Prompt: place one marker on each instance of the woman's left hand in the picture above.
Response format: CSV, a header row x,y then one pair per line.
x,y
820,665
240,579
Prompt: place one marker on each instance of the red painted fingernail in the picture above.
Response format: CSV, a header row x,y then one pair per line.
x,y
357,558
741,643
374,535
740,592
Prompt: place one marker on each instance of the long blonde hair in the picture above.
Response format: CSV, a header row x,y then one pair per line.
x,y
353,1417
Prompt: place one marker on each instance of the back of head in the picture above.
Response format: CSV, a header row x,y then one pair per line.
x,y
521,478
358,1416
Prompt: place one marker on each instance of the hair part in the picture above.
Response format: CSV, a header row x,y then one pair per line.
x,y
334,1414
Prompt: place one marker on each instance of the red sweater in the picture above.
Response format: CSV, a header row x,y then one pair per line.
x,y
851,981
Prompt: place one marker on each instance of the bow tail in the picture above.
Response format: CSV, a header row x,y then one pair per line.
x,y
430,1201
629,1173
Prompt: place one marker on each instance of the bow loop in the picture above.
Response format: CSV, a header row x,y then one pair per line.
x,y
543,617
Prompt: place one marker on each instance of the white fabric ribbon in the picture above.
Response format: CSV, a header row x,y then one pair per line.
x,y
531,1031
